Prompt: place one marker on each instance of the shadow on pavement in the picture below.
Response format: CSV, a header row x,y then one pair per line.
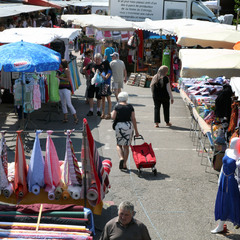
x,y
149,175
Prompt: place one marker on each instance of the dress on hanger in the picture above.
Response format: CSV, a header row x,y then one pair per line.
x,y
227,207
166,59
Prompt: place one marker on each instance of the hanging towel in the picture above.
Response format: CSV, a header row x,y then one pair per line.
x,y
36,166
20,178
71,173
53,87
3,163
52,173
94,177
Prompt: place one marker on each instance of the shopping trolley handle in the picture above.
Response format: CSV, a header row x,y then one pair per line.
x,y
139,137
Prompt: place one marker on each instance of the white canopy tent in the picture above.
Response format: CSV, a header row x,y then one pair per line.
x,y
192,32
100,22
40,35
7,10
235,84
210,62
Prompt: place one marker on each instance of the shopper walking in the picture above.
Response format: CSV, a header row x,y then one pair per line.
x,y
125,226
108,50
161,93
92,90
124,125
105,89
119,74
65,91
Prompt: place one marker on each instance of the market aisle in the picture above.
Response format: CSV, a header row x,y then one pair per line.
x,y
178,203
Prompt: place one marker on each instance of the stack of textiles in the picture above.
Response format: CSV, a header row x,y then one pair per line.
x,y
56,221
62,180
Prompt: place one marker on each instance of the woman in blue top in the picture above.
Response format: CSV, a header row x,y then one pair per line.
x,y
105,89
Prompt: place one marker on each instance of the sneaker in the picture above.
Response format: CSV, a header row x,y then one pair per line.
x,y
99,113
90,113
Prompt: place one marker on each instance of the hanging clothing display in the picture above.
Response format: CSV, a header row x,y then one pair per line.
x,y
53,87
6,80
52,173
166,59
35,176
20,179
3,163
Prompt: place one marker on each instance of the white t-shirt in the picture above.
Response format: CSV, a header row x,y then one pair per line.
x,y
118,68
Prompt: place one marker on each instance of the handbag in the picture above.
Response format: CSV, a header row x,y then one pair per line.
x,y
115,121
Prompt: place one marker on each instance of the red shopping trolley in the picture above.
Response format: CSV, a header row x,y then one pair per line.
x,y
143,156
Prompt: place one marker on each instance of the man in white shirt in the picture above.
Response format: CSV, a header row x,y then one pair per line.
x,y
119,73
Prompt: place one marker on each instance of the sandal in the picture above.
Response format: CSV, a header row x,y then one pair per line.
x,y
102,116
108,116
65,120
121,164
76,121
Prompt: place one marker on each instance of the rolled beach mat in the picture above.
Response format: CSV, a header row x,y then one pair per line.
x,y
92,193
51,195
8,191
75,191
65,194
35,189
20,191
58,193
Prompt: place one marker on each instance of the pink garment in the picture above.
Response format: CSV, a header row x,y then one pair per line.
x,y
52,172
3,163
124,35
36,97
72,174
107,34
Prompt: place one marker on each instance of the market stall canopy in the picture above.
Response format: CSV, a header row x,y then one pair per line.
x,y
100,22
42,3
7,10
210,62
38,35
235,84
211,34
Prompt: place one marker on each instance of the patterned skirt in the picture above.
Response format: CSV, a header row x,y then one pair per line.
x,y
124,133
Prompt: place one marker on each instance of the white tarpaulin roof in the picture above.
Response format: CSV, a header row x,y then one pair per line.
x,y
101,22
215,35
235,84
192,32
37,35
7,10
210,62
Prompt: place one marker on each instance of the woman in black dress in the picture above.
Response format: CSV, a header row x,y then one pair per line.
x,y
161,93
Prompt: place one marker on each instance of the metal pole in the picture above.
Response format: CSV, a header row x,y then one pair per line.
x,y
85,165
237,18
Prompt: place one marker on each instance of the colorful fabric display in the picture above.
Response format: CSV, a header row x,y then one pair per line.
x,y
94,170
124,35
74,74
52,173
3,163
99,35
8,191
28,98
35,175
20,178
36,97
107,34
74,191
71,173
18,91
233,118
53,87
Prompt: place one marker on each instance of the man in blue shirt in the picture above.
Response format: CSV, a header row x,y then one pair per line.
x,y
108,50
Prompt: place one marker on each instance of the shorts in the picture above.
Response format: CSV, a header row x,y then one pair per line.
x,y
117,85
93,91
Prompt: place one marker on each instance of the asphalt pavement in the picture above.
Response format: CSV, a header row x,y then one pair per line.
x,y
177,203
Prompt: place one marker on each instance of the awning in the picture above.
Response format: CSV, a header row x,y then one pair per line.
x,y
7,10
101,22
42,3
210,62
38,35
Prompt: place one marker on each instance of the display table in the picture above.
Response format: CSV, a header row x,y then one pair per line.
x,y
42,197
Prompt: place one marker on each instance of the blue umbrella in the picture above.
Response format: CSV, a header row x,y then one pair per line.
x,y
28,57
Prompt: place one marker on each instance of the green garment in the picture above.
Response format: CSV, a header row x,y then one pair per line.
x,y
53,87
166,59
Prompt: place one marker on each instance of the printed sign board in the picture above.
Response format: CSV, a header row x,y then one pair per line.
x,y
136,10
